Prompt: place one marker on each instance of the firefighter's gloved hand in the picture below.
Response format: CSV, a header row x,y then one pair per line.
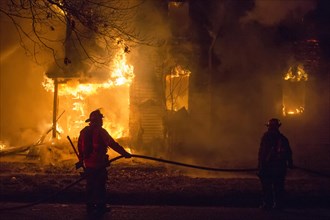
x,y
79,164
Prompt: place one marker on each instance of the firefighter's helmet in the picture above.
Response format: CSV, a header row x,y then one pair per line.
x,y
94,116
274,123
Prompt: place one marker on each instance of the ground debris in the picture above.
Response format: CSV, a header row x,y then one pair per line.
x,y
136,182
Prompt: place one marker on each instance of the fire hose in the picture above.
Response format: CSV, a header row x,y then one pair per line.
x,y
83,176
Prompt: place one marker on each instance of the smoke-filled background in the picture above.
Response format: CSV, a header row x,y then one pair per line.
x,y
25,105
255,48
251,52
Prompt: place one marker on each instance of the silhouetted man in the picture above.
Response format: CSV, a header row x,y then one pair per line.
x,y
274,157
93,144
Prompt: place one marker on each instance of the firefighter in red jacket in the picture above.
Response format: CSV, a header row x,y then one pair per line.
x,y
275,155
93,143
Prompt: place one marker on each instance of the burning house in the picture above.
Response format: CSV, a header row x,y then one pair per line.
x,y
202,86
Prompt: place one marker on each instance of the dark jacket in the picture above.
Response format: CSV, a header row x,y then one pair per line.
x,y
274,150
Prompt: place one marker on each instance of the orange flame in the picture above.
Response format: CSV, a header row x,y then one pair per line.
x,y
294,91
78,99
2,145
296,73
177,86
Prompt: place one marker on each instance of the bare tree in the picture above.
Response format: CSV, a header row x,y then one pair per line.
x,y
74,30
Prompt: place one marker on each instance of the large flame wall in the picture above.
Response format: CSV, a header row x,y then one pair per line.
x,y
76,99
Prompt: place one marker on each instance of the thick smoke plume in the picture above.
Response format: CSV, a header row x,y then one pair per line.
x,y
254,57
271,13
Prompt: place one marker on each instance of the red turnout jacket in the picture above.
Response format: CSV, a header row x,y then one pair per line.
x,y
93,143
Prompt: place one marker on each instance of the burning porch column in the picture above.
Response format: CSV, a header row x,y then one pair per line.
x,y
55,108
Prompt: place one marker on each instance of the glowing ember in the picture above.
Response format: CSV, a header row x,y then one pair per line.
x,y
2,146
58,9
292,112
175,4
128,150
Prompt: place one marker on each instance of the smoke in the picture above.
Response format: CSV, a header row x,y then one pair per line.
x,y
248,81
254,56
271,13
26,111
7,53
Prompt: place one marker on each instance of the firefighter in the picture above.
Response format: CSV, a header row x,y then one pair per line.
x,y
93,143
274,157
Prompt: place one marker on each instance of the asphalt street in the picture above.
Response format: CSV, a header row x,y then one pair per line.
x,y
77,211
